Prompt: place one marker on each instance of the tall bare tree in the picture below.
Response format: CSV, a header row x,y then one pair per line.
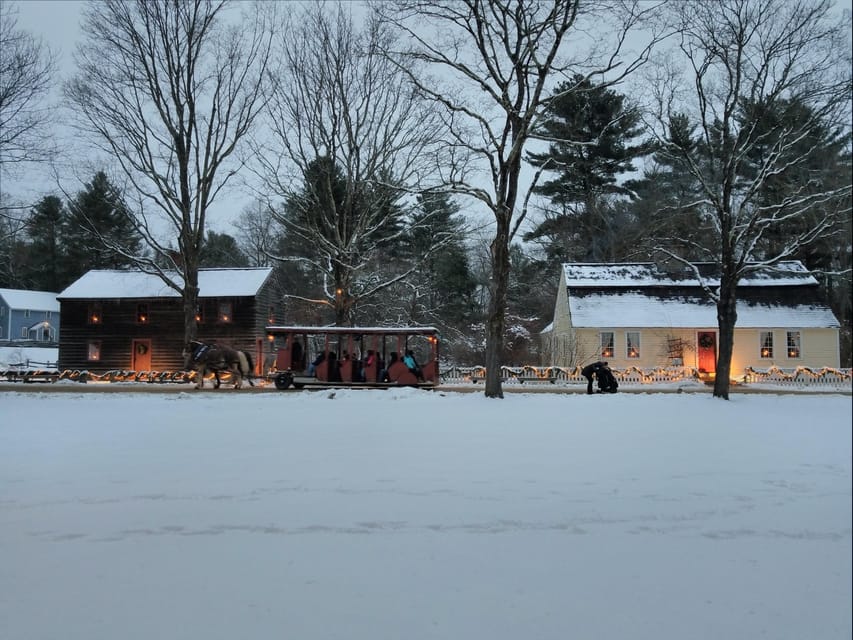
x,y
348,138
764,80
494,62
169,89
27,67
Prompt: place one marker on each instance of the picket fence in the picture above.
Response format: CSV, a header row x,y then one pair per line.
x,y
801,377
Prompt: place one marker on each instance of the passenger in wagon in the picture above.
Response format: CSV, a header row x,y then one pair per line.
x,y
312,368
412,364
296,362
383,373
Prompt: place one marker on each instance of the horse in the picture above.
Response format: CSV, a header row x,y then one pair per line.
x,y
215,358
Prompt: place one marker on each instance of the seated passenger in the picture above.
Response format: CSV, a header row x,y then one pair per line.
x,y
312,368
412,364
383,373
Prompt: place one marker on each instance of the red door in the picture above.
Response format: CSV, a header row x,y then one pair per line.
x,y
707,351
141,360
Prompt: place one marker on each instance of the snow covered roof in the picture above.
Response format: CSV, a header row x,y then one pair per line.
x,y
213,283
636,309
648,295
650,274
32,300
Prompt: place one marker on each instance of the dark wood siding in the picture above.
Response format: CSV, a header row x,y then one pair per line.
x,y
119,328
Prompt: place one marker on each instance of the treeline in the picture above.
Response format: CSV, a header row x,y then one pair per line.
x,y
612,195
372,170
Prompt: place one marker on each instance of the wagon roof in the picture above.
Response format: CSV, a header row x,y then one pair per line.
x,y
101,284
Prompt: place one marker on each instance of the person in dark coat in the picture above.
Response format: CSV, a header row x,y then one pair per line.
x,y
589,371
296,356
606,380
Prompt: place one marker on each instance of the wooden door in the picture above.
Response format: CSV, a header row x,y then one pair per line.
x,y
706,348
141,358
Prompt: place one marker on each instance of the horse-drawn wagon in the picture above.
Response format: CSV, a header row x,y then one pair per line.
x,y
375,357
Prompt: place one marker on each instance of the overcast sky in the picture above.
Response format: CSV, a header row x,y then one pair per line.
x,y
57,22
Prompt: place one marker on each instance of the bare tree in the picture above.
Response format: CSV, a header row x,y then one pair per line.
x,y
765,80
496,59
169,90
257,233
348,139
27,68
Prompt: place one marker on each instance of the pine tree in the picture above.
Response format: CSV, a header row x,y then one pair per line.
x,y
443,283
99,232
221,250
44,270
593,129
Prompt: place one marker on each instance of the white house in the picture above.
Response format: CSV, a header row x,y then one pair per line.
x,y
648,316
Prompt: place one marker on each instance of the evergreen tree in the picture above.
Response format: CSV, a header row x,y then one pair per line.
x,y
45,224
443,285
593,130
97,224
339,237
667,197
221,250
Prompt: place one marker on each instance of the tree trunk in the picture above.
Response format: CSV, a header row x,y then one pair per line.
x,y
726,319
190,307
496,322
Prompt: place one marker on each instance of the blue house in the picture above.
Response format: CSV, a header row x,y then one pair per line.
x,y
28,316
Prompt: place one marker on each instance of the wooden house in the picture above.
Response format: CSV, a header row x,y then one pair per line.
x,y
132,321
647,316
28,316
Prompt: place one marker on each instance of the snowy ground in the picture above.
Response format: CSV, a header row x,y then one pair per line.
x,y
13,356
414,515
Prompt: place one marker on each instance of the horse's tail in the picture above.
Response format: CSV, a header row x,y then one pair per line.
x,y
247,366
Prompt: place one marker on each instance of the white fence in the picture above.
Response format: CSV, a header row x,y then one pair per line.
x,y
801,377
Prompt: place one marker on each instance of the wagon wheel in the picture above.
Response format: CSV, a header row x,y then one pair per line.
x,y
283,380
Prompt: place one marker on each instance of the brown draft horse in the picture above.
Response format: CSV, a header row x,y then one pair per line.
x,y
216,358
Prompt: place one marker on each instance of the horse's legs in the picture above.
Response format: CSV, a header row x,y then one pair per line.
x,y
199,384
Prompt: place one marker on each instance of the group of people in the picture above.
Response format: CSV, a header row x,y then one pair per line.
x,y
372,361
601,371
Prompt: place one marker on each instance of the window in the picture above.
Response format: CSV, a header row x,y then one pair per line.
x,y
25,333
794,344
142,313
26,313
93,351
632,349
199,313
225,312
95,316
2,311
606,344
271,315
766,339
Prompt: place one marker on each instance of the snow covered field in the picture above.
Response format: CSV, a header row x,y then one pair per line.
x,y
413,515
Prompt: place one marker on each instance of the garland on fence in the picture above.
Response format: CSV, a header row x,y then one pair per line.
x,y
806,372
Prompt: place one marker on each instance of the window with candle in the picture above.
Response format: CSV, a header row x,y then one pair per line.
x,y
766,344
606,338
794,345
